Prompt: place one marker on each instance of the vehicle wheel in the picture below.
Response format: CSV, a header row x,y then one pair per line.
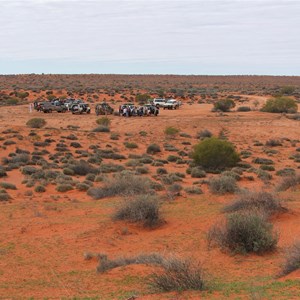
x,y
50,110
88,112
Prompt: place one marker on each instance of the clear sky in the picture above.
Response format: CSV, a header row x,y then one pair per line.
x,y
150,36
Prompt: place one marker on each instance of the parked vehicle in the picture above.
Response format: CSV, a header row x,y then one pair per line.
x,y
159,102
49,107
171,104
80,108
70,101
103,109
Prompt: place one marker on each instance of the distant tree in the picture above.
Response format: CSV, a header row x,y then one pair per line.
x,y
142,98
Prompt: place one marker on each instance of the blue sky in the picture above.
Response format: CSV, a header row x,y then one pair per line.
x,y
150,37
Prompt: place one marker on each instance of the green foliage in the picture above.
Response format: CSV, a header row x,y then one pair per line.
x,y
36,123
215,154
224,105
171,131
104,121
142,98
287,90
280,105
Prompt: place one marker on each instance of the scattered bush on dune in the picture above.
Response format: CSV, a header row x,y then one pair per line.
x,y
244,233
176,274
103,121
8,186
36,123
122,184
215,154
292,260
264,202
224,105
223,185
153,149
144,209
288,182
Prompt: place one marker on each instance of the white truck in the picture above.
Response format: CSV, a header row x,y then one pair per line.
x,y
171,104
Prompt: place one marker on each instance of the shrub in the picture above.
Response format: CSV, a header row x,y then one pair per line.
x,y
130,145
286,172
4,196
197,172
161,171
262,201
40,189
153,149
292,260
2,172
267,168
64,188
222,185
204,134
101,129
280,105
8,186
263,161
171,131
106,264
143,209
114,136
82,186
28,170
82,168
288,182
178,275
104,121
244,233
244,108
224,105
36,123
215,154
122,184
273,143
193,190
75,145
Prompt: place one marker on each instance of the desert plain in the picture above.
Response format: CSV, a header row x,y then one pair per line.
x,y
51,240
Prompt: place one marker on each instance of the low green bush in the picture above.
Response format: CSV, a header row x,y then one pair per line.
x,y
215,154
280,104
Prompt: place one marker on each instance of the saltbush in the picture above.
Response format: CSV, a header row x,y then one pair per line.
x,y
36,123
244,233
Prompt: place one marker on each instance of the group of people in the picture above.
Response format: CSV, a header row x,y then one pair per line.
x,y
126,110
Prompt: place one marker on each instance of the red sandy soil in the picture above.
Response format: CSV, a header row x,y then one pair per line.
x,y
43,237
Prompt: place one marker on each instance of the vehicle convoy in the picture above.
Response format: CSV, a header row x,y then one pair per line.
x,y
103,109
80,108
171,104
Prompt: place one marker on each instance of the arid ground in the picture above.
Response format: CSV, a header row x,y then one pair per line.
x,y
47,236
